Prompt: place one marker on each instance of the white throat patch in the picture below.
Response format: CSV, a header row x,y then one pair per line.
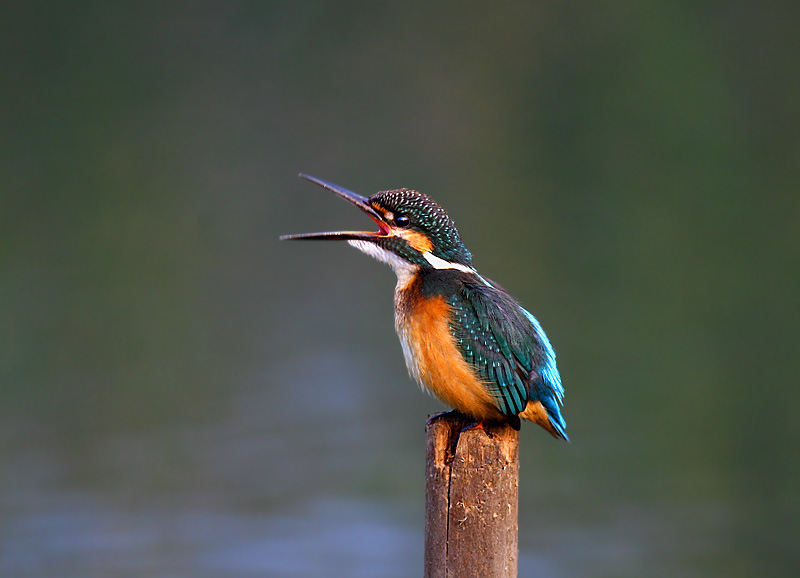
x,y
402,268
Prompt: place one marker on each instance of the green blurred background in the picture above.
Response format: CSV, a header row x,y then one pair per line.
x,y
183,395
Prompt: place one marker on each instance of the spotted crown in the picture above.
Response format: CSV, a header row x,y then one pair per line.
x,y
428,217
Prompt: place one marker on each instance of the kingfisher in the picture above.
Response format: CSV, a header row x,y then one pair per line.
x,y
465,339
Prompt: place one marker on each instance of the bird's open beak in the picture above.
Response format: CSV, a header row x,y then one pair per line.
x,y
359,201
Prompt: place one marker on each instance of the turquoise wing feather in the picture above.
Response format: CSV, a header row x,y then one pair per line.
x,y
508,348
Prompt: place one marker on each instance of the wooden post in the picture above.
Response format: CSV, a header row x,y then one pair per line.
x,y
471,499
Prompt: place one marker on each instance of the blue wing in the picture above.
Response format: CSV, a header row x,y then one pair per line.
x,y
508,348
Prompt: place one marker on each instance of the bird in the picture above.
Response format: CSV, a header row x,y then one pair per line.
x,y
465,339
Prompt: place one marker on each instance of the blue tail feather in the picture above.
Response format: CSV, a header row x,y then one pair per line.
x,y
557,422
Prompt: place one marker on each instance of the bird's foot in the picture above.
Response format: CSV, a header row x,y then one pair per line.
x,y
451,417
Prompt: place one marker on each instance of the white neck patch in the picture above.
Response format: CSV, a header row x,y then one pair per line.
x,y
404,270
438,263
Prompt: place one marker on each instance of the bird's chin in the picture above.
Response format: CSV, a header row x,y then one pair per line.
x,y
404,270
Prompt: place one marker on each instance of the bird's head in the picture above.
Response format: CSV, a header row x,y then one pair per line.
x,y
414,231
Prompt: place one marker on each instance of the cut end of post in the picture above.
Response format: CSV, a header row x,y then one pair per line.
x,y
448,427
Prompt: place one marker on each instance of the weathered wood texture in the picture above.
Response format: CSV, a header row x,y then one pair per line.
x,y
471,499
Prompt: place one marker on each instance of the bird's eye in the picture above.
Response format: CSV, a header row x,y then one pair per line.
x,y
402,221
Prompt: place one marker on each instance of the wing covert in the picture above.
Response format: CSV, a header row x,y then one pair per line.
x,y
496,337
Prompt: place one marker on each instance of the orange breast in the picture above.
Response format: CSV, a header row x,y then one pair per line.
x,y
433,358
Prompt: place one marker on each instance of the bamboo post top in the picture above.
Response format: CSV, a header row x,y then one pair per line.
x,y
471,499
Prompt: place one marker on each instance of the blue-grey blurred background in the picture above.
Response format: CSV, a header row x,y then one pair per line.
x,y
183,395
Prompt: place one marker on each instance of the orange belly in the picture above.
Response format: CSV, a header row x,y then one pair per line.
x,y
434,360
